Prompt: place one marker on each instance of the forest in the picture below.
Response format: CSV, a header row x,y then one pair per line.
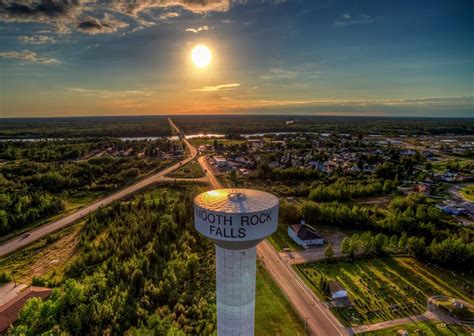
x,y
78,127
140,269
140,126
248,124
37,179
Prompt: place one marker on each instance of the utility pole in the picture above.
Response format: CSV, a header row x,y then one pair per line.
x,y
14,281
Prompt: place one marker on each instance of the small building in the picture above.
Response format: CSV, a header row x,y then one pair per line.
x,y
423,188
305,235
451,210
10,310
336,290
221,162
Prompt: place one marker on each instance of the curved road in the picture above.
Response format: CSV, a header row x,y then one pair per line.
x,y
35,234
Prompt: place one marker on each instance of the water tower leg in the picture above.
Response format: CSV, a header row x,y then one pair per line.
x,y
235,276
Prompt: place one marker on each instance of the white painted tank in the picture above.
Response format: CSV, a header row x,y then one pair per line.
x,y
236,220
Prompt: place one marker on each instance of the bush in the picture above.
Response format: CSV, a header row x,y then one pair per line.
x,y
5,277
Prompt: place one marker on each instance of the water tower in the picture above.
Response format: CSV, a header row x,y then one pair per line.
x,y
236,220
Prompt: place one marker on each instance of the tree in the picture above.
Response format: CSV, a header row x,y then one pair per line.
x,y
380,240
394,242
346,245
329,252
138,280
233,177
403,242
416,246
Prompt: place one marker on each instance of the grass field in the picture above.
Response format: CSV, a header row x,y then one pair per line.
x,y
386,288
427,328
43,258
468,192
274,315
190,170
441,166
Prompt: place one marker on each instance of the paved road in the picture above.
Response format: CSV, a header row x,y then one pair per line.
x,y
319,319
35,234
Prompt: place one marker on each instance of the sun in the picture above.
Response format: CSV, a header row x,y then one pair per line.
x,y
201,56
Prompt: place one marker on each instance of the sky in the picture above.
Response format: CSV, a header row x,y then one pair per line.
x,y
113,57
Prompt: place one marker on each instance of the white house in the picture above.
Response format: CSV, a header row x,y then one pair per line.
x,y
336,290
304,235
221,162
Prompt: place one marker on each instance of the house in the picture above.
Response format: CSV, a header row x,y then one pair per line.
x,y
304,235
423,188
336,290
451,210
10,310
255,143
221,162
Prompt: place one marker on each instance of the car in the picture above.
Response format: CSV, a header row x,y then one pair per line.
x,y
25,235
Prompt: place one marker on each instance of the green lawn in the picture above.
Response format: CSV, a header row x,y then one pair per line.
x,y
281,240
427,328
274,315
386,288
190,170
468,192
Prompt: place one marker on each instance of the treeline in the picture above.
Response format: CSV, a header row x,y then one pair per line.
x,y
343,190
32,191
409,223
141,270
245,124
16,209
79,127
265,172
74,149
411,214
456,251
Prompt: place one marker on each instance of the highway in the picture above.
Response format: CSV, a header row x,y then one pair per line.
x,y
319,319
40,232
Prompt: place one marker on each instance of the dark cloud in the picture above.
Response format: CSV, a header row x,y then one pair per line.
x,y
81,14
57,13
134,8
108,24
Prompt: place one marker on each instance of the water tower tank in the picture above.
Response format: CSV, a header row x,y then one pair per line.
x,y
236,220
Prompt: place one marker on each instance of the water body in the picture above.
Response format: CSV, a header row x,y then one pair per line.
x,y
173,137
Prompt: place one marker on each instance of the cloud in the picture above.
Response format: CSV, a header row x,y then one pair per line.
x,y
277,73
66,14
27,55
36,39
106,93
108,24
134,8
347,19
169,15
229,86
198,29
56,13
